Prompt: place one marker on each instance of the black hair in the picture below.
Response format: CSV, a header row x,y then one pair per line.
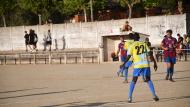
x,y
169,31
131,36
136,36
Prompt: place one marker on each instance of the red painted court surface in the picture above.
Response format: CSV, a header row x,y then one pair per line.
x,y
88,85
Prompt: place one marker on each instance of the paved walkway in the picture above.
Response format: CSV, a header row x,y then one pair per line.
x,y
94,85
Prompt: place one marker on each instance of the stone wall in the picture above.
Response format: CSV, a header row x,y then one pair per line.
x,y
89,35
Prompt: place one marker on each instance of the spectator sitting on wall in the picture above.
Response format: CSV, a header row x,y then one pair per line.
x,y
126,27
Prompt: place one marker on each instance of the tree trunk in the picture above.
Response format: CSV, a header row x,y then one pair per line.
x,y
130,10
180,7
85,15
4,21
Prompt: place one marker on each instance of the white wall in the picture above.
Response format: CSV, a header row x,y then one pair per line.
x,y
88,35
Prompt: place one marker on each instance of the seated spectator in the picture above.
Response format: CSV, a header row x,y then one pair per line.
x,y
126,27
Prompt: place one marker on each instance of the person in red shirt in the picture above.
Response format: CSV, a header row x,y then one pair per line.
x,y
169,45
126,27
122,52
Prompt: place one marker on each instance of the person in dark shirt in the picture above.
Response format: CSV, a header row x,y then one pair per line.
x,y
148,42
35,40
27,40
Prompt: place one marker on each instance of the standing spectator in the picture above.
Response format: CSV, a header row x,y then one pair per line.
x,y
185,42
64,43
49,40
179,39
185,39
31,36
56,44
147,42
169,45
180,46
35,40
27,40
188,42
44,42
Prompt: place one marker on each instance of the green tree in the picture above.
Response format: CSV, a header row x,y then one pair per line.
x,y
41,7
7,7
76,6
168,6
129,4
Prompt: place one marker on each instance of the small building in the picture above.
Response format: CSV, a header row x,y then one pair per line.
x,y
110,43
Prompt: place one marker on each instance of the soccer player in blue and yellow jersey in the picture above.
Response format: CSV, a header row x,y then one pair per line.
x,y
140,52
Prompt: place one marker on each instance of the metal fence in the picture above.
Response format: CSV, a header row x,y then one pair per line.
x,y
181,55
50,58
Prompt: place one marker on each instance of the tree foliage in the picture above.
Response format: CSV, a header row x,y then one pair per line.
x,y
25,12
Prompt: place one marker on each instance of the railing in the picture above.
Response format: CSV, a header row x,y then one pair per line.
x,y
183,56
50,58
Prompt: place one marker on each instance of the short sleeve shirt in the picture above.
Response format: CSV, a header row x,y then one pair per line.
x,y
139,51
169,43
121,47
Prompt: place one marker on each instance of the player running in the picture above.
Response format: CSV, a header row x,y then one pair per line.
x,y
169,45
129,63
123,54
140,51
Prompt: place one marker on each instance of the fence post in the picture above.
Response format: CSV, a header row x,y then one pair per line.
x,y
30,60
60,60
5,59
65,58
50,58
98,58
35,58
92,59
19,58
45,59
185,55
81,56
15,61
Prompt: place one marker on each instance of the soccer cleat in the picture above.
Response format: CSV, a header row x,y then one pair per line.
x,y
129,100
167,76
156,98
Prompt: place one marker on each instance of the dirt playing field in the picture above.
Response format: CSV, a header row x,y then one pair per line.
x,y
88,85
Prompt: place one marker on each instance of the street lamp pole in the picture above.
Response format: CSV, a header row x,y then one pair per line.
x,y
91,9
40,19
